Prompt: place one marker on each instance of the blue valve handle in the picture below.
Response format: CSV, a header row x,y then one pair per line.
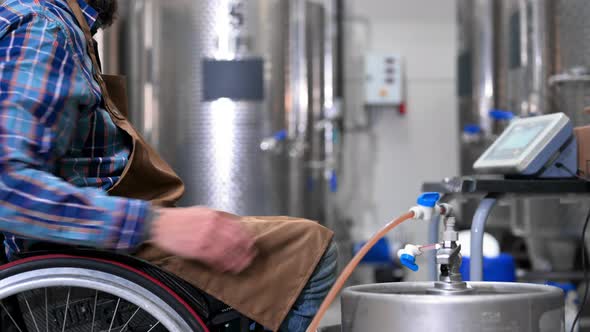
x,y
428,199
472,129
498,114
409,261
333,182
280,135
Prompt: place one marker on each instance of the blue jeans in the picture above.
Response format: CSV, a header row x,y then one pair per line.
x,y
313,293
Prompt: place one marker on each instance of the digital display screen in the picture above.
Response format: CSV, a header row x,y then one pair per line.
x,y
520,137
517,140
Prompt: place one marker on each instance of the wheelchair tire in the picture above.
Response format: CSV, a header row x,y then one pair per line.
x,y
111,278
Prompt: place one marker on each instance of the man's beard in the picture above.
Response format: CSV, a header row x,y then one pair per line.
x,y
107,10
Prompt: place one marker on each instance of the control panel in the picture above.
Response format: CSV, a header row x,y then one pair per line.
x,y
384,75
542,146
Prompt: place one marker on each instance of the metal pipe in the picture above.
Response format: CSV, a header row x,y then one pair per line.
x,y
484,61
297,106
542,60
433,238
340,68
297,126
477,231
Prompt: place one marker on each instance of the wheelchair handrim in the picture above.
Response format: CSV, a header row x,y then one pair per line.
x,y
99,281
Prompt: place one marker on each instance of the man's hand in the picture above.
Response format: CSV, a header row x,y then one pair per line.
x,y
212,237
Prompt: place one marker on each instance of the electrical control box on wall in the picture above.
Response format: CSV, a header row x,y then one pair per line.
x,y
384,84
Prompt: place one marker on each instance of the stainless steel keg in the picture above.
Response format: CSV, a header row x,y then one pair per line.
x,y
489,307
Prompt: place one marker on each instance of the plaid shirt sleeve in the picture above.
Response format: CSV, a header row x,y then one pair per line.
x,y
39,106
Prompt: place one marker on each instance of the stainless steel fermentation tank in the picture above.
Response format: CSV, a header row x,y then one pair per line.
x,y
572,83
525,56
530,39
507,57
490,307
209,80
546,45
476,77
482,80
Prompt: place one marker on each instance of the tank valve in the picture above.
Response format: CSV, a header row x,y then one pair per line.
x,y
275,142
426,206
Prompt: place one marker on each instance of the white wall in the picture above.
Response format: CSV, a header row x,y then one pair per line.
x,y
383,170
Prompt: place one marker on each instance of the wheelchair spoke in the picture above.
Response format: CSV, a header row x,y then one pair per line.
x,y
119,305
94,311
32,316
66,311
46,313
153,327
129,321
114,314
10,316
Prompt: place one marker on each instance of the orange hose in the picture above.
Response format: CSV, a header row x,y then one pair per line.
x,y
350,268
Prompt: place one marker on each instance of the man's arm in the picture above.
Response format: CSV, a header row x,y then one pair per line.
x,y
38,113
39,109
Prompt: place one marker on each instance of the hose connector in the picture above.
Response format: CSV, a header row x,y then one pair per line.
x,y
407,256
426,206
450,234
445,209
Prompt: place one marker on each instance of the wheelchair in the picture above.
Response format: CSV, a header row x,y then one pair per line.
x,y
95,291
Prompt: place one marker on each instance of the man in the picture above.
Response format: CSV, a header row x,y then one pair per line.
x,y
64,144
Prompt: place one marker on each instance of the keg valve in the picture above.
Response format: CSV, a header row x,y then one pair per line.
x,y
448,251
449,258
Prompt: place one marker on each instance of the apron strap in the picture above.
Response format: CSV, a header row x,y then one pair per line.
x,y
92,52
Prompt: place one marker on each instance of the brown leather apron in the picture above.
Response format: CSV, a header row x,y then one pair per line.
x,y
289,248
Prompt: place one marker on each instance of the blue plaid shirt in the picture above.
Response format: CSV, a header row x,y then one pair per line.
x,y
59,149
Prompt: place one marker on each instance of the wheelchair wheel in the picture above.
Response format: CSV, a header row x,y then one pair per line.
x,y
61,293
